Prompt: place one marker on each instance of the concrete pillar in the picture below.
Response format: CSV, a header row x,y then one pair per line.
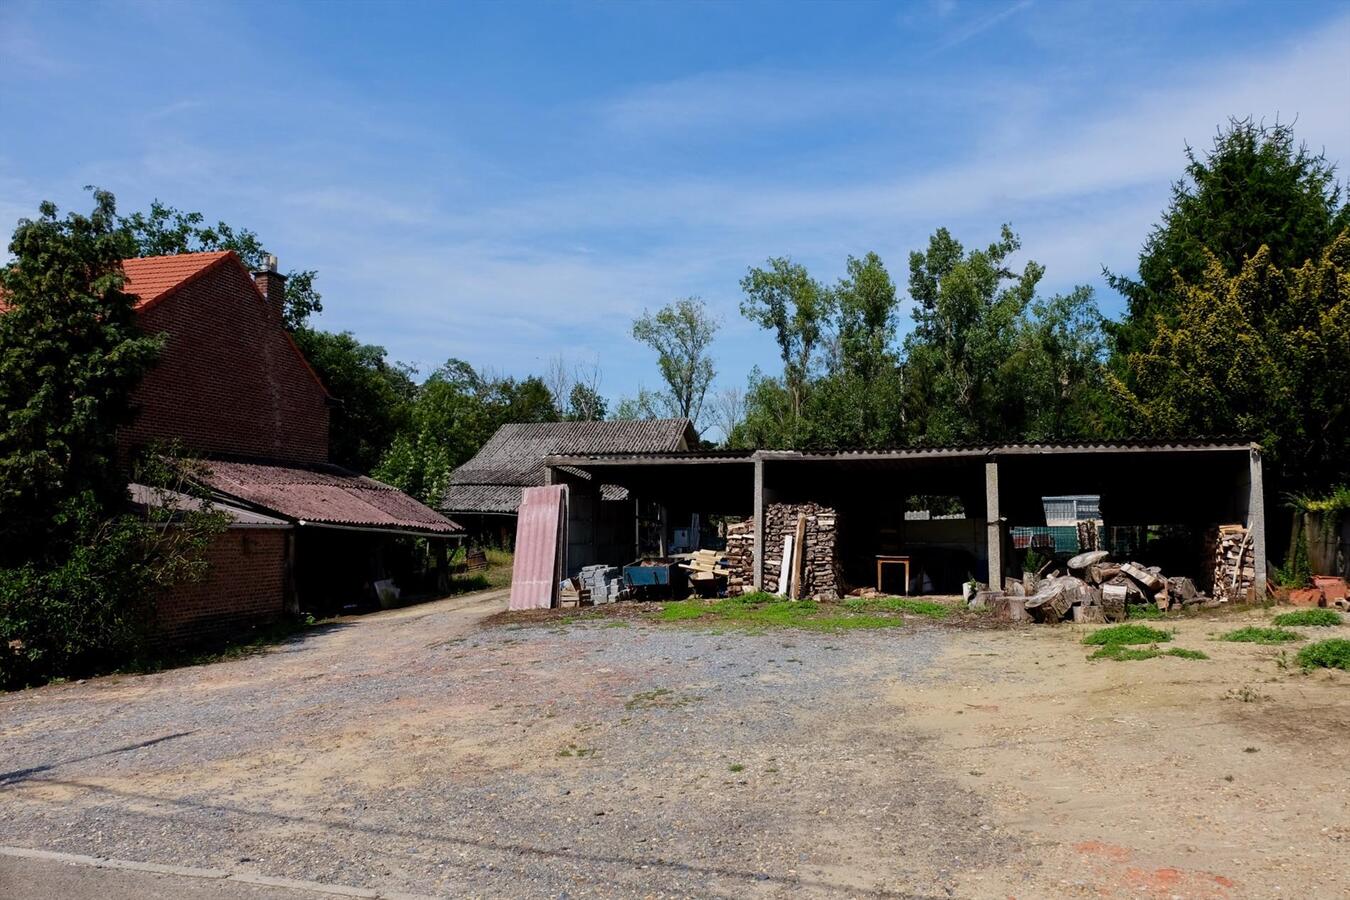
x,y
759,525
1256,522
994,526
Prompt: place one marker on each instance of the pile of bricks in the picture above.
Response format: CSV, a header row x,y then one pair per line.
x,y
820,578
740,555
1230,546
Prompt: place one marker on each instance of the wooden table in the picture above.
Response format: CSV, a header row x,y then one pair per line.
x,y
884,560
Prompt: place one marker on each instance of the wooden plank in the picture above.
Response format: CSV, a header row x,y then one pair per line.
x,y
798,563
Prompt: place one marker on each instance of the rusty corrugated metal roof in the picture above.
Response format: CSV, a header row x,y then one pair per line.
x,y
324,495
536,567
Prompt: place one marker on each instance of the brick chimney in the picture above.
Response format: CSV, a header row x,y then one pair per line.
x,y
272,284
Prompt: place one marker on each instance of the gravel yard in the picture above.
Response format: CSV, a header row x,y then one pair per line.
x,y
422,751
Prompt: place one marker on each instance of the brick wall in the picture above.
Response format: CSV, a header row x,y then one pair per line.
x,y
244,587
229,380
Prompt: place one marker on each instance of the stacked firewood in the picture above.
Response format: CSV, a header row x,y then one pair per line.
x,y
815,557
1230,546
740,556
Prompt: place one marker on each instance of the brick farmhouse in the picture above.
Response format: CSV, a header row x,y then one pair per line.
x,y
232,389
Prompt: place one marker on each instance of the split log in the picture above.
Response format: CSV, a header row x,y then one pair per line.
x,y
1088,615
1152,581
1009,609
1090,558
1050,604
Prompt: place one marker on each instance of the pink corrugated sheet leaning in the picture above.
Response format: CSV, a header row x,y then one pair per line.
x,y
539,540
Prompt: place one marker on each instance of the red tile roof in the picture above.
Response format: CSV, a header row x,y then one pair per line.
x,y
149,278
325,495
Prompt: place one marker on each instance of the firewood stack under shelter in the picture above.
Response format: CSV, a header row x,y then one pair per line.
x,y
740,555
818,548
1230,546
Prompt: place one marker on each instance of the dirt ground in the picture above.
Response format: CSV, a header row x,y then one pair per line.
x,y
426,752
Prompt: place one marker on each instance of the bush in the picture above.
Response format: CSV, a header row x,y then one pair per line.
x,y
1255,635
1315,617
1127,634
1328,654
88,605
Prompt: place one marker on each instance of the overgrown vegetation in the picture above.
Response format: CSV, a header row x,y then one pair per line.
x,y
1309,617
1126,634
1333,653
79,568
1253,634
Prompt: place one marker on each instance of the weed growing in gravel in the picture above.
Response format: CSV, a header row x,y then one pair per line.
x,y
1126,634
755,611
1126,653
736,767
1313,617
1329,654
1255,635
901,604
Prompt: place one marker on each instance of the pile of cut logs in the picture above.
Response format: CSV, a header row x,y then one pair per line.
x,y
1230,546
806,535
1094,589
740,555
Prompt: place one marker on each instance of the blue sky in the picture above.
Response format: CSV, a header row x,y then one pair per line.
x,y
506,182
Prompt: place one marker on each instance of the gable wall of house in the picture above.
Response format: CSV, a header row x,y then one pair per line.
x,y
229,381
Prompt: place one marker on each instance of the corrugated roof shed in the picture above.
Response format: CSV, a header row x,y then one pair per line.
x,y
513,458
325,495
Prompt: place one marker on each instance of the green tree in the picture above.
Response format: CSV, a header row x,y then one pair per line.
x,y
1258,187
165,231
453,414
859,403
585,404
79,570
70,355
784,299
1265,352
374,396
969,307
681,333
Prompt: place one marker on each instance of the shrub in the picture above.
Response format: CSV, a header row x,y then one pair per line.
x,y
1316,617
1127,634
1124,653
1329,654
1255,635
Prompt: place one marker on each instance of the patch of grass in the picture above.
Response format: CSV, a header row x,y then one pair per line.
x,y
736,767
762,610
1126,653
1126,634
1253,634
1313,617
615,623
1143,611
1333,653
900,604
